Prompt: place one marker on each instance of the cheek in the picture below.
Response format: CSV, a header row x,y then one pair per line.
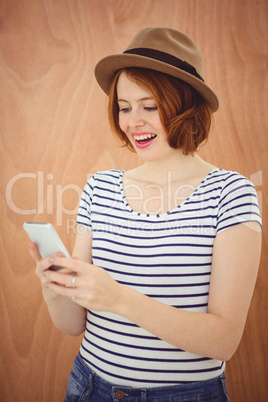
x,y
160,128
122,122
156,122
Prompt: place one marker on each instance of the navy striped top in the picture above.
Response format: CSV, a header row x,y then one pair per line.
x,y
167,257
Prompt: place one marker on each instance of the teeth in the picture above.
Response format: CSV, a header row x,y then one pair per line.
x,y
144,137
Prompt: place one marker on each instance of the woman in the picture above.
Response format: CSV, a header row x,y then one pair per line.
x,y
166,255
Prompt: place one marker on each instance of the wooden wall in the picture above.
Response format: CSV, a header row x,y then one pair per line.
x,y
54,132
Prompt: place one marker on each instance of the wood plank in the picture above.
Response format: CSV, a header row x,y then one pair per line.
x,y
54,133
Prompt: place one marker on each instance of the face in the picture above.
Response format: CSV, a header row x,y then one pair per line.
x,y
140,120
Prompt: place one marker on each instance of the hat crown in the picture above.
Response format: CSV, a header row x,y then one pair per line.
x,y
164,50
169,41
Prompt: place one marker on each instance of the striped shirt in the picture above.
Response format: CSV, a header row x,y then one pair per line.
x,y
164,256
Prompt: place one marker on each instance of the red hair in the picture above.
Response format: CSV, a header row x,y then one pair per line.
x,y
183,112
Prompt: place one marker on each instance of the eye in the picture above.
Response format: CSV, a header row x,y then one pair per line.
x,y
151,109
124,109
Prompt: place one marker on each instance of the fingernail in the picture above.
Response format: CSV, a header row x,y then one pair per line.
x,y
44,273
47,285
52,259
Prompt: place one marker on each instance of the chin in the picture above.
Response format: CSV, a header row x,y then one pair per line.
x,y
148,157
153,155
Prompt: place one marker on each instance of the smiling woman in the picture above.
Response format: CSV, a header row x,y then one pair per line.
x,y
183,112
162,292
139,121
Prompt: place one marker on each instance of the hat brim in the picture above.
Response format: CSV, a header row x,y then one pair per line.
x,y
107,67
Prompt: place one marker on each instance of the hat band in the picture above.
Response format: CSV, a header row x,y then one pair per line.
x,y
165,58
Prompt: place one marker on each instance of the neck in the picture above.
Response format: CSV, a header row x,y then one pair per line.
x,y
179,167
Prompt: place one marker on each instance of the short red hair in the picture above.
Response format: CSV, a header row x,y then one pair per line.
x,y
185,115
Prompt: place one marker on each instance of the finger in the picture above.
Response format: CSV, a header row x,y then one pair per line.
x,y
53,267
34,251
73,264
70,281
77,295
64,269
45,264
64,286
63,290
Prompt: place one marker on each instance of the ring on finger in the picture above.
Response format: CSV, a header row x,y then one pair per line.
x,y
73,282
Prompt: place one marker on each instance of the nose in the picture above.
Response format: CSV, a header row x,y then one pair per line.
x,y
135,119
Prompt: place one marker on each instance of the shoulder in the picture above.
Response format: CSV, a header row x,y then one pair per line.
x,y
228,180
232,182
102,184
110,174
224,174
221,183
232,187
105,176
238,201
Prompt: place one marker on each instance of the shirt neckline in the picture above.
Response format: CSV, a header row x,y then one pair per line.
x,y
179,206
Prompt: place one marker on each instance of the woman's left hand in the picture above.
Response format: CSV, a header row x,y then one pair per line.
x,y
90,286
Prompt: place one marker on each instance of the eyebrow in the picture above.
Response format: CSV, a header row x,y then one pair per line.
x,y
139,100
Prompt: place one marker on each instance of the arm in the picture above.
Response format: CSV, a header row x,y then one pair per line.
x,y
67,316
215,334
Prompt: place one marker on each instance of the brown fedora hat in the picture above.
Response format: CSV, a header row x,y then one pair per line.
x,y
161,49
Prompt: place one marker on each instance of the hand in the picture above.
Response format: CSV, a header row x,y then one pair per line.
x,y
43,264
92,287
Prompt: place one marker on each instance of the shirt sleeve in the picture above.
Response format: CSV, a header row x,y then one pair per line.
x,y
84,210
238,203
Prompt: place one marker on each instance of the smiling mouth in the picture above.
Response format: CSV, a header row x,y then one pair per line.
x,y
143,139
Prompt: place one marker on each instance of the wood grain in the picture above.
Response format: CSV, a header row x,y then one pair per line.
x,y
54,134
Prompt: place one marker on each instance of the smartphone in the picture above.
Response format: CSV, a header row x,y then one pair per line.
x,y
46,238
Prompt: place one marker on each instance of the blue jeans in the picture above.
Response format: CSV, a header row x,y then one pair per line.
x,y
85,385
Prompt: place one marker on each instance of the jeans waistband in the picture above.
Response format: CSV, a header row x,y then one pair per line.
x,y
118,392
